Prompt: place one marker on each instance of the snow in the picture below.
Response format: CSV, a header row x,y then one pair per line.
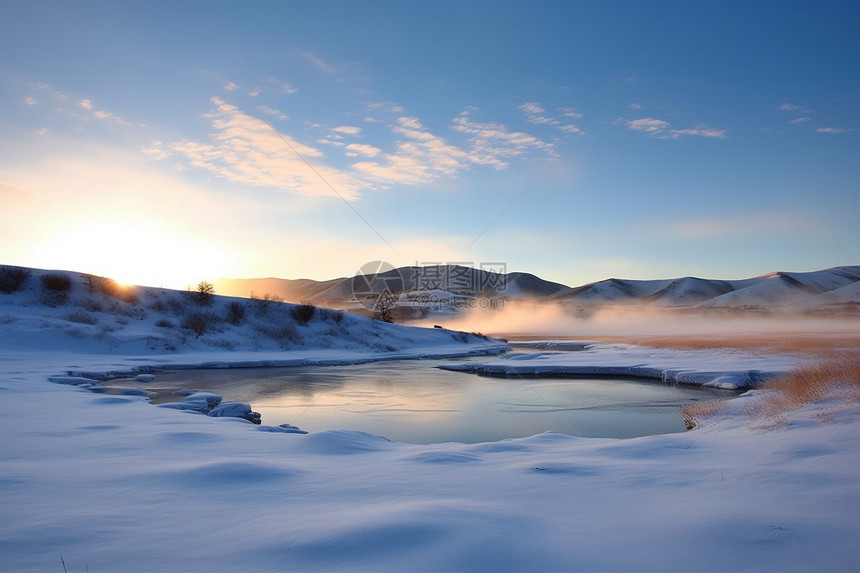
x,y
111,483
718,368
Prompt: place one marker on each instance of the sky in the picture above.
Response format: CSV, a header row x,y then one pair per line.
x,y
164,143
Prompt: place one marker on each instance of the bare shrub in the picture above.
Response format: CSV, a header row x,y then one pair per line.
x,y
12,279
262,304
91,282
175,305
81,318
93,305
54,297
327,314
163,323
235,312
303,313
204,293
59,282
199,323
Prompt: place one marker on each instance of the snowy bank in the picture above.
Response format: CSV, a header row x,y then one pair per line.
x,y
717,368
111,483
103,480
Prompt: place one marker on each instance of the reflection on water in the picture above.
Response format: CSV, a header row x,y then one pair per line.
x,y
412,401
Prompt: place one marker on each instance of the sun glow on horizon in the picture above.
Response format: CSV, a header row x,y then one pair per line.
x,y
132,252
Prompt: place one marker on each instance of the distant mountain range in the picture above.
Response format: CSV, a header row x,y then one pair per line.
x,y
834,290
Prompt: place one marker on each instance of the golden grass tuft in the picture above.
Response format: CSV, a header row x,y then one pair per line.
x,y
810,383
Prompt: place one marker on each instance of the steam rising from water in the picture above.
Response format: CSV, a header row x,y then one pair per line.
x,y
522,318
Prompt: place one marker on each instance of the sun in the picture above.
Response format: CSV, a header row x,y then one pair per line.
x,y
134,252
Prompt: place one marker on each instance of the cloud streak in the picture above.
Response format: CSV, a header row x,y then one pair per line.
x,y
246,150
660,129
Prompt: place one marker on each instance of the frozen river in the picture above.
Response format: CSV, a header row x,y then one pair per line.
x,y
413,401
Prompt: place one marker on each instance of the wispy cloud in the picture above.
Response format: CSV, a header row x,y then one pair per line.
x,y
82,108
421,158
660,129
634,106
272,111
492,143
318,62
364,149
106,115
246,150
347,129
789,107
283,87
231,86
800,120
833,130
648,125
536,114
701,131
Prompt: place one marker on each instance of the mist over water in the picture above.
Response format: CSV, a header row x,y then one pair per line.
x,y
531,318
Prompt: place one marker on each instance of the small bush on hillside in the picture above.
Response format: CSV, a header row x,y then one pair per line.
x,y
204,293
303,313
81,318
12,279
235,312
59,282
163,323
199,323
175,305
91,282
262,305
93,305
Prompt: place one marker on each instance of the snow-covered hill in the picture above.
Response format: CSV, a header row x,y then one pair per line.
x,y
777,291
95,315
449,289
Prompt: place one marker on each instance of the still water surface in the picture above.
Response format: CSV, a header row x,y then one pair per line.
x,y
413,401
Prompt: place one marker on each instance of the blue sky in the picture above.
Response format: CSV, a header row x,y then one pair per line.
x,y
170,142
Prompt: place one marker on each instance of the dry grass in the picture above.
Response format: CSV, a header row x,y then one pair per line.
x,y
812,382
805,384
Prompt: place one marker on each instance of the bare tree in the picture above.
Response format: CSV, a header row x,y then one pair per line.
x,y
385,305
